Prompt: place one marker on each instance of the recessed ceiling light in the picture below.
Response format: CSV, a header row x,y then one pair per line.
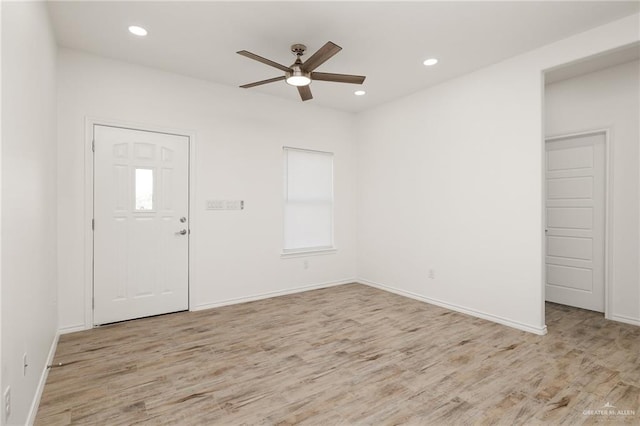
x,y
139,31
430,62
359,92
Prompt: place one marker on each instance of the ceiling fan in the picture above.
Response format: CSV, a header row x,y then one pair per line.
x,y
301,74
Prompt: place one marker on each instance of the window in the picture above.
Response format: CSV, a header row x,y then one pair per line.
x,y
308,200
144,189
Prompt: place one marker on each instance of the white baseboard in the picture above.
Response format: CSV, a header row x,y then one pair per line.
x,y
474,313
625,319
261,296
33,410
72,329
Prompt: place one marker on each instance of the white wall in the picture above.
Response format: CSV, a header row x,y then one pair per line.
x,y
2,413
450,179
610,99
29,196
239,139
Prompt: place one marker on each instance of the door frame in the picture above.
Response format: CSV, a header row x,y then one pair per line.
x,y
608,210
89,124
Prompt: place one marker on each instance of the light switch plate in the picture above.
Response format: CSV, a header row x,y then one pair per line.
x,y
215,204
225,204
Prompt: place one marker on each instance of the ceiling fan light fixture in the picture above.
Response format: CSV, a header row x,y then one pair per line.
x,y
297,77
298,80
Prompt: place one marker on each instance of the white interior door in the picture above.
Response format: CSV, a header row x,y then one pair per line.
x,y
141,231
575,209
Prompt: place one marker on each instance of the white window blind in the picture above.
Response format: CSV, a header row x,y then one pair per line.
x,y
308,200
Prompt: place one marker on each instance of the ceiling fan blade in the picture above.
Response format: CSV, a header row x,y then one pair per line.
x,y
321,56
305,92
338,78
263,60
259,83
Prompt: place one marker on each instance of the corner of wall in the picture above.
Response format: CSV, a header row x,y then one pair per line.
x,y
29,272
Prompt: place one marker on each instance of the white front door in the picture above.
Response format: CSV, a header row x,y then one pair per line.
x,y
141,228
575,209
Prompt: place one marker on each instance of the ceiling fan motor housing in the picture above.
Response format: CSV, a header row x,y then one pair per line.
x,y
296,76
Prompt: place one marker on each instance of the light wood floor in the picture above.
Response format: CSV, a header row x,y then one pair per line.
x,y
345,355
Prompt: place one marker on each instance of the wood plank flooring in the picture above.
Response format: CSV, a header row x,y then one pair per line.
x,y
344,355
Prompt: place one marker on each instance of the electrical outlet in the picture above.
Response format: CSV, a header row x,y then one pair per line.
x,y
24,364
305,264
7,403
432,274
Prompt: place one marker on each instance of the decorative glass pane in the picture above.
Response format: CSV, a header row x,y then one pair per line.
x,y
144,189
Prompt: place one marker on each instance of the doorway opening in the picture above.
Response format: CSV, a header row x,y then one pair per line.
x,y
590,112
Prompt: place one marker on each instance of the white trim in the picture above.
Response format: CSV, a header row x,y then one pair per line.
x,y
608,210
625,319
293,148
474,313
88,217
268,295
543,200
71,329
90,122
307,252
33,410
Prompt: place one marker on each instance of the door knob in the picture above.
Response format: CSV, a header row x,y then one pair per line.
x,y
182,232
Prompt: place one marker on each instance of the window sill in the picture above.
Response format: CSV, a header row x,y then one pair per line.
x,y
307,252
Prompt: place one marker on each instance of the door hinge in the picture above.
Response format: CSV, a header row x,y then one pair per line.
x,y
93,224
93,145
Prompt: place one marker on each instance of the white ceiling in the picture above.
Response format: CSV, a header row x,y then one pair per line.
x,y
386,41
